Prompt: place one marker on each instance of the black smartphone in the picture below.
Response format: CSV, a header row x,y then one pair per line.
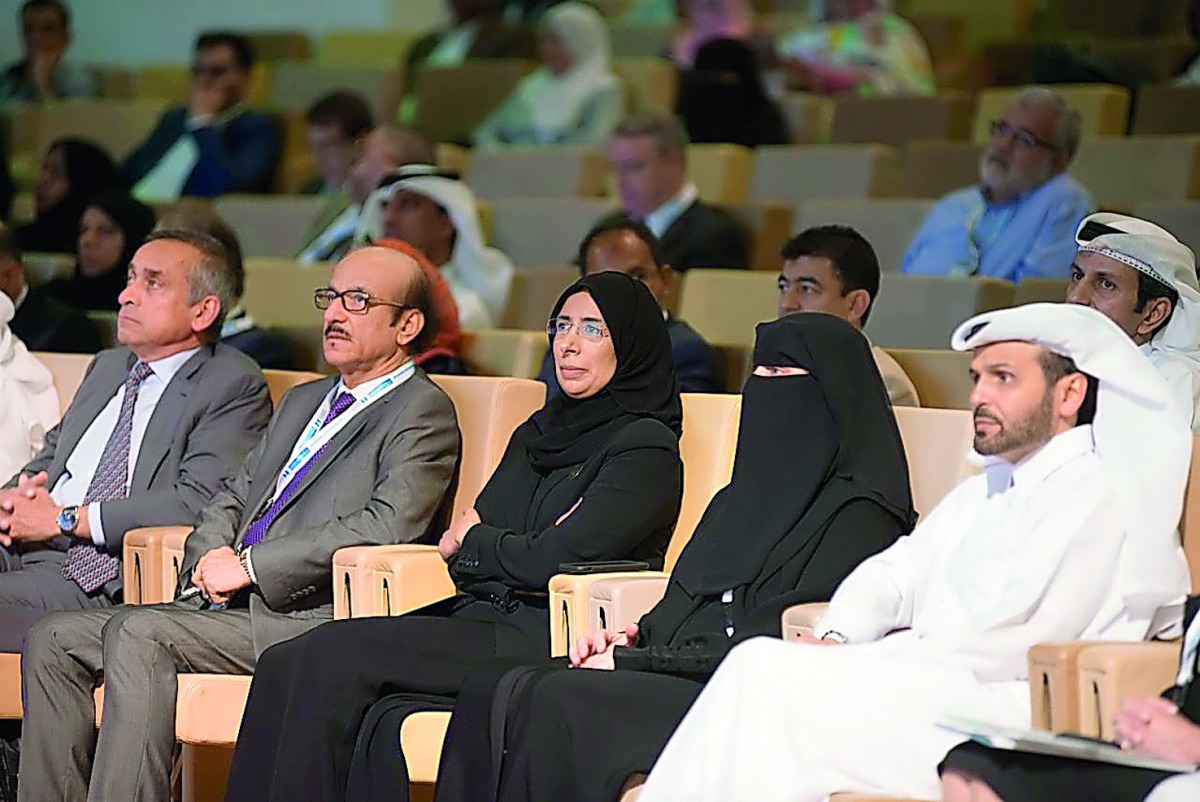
x,y
603,567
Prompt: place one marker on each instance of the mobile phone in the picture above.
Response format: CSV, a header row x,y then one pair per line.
x,y
603,567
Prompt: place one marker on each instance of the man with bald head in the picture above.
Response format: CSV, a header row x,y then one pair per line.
x,y
1017,222
366,457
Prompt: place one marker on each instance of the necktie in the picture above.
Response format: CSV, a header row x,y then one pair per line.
x,y
87,564
258,528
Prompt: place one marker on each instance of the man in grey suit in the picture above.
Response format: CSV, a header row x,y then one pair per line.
x,y
152,432
367,457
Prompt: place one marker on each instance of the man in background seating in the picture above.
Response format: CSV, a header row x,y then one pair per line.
x,y
334,127
43,73
1017,223
41,322
834,269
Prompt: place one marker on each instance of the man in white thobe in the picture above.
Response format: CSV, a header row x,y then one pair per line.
x,y
1144,279
1068,532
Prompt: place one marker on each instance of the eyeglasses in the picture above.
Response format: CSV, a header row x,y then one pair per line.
x,y
352,300
206,71
589,330
1022,136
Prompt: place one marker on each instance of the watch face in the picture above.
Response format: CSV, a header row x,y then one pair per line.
x,y
68,519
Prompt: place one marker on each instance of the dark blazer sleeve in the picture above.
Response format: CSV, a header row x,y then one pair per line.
x,y
416,466
44,324
637,490
697,364
147,154
239,156
236,409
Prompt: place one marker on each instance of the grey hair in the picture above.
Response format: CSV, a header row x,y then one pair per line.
x,y
668,133
215,274
1069,127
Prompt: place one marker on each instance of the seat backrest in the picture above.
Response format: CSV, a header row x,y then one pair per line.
x,y
279,291
380,48
985,22
936,444
941,377
933,168
720,171
707,448
489,409
42,268
809,117
794,173
646,39
1181,218
118,126
559,171
280,381
298,84
269,225
68,371
505,352
1103,108
888,224
651,82
769,225
1167,109
532,296
477,87
897,120
1121,172
725,305
535,232
1040,290
922,311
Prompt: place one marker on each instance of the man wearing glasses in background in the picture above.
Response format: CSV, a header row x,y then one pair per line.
x,y
214,145
1020,221
368,456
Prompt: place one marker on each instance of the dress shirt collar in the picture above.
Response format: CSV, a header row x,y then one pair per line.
x,y
659,220
166,368
1024,196
1029,472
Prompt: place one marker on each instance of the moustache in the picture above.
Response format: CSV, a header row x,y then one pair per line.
x,y
981,415
334,328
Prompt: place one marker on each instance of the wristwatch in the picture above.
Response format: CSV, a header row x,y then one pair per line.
x,y
68,519
245,567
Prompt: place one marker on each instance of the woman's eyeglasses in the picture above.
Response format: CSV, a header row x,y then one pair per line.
x,y
590,330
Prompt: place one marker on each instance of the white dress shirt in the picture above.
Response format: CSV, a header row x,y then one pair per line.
x,y
81,466
662,218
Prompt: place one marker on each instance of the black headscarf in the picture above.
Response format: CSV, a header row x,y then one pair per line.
x,y
89,172
644,385
807,444
99,293
722,98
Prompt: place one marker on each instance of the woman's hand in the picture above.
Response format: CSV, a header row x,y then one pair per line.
x,y
452,538
596,650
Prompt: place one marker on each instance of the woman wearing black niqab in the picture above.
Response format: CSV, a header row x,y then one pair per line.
x,y
594,475
722,99
73,170
819,484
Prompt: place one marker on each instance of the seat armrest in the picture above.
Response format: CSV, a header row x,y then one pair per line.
x,y
569,605
1110,671
614,604
401,578
143,577
799,620
350,586
1054,685
173,539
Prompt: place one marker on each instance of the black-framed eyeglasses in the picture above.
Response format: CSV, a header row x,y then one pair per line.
x,y
352,300
1022,136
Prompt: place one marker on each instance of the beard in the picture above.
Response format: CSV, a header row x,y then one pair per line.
x,y
1034,430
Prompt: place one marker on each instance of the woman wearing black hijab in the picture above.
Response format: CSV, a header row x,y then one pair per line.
x,y
819,484
721,99
113,226
594,475
72,172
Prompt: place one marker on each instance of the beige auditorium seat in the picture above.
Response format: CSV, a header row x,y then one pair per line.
x,y
1181,218
651,82
456,158
1166,109
377,48
769,225
118,126
888,224
269,225
724,306
897,120
1040,290
68,371
922,311
477,87
169,83
1103,108
796,173
42,268
280,381
931,168
279,296
1122,172
942,377
504,352
558,171
299,84
987,22
533,294
720,171
543,231
809,117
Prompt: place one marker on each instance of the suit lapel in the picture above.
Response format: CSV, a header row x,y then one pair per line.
x,y
168,412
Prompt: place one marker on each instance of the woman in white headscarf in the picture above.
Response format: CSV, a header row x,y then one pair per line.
x,y
28,402
573,98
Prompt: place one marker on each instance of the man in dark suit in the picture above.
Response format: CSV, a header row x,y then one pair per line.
x,y
366,457
41,322
150,435
627,246
478,31
214,145
648,154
